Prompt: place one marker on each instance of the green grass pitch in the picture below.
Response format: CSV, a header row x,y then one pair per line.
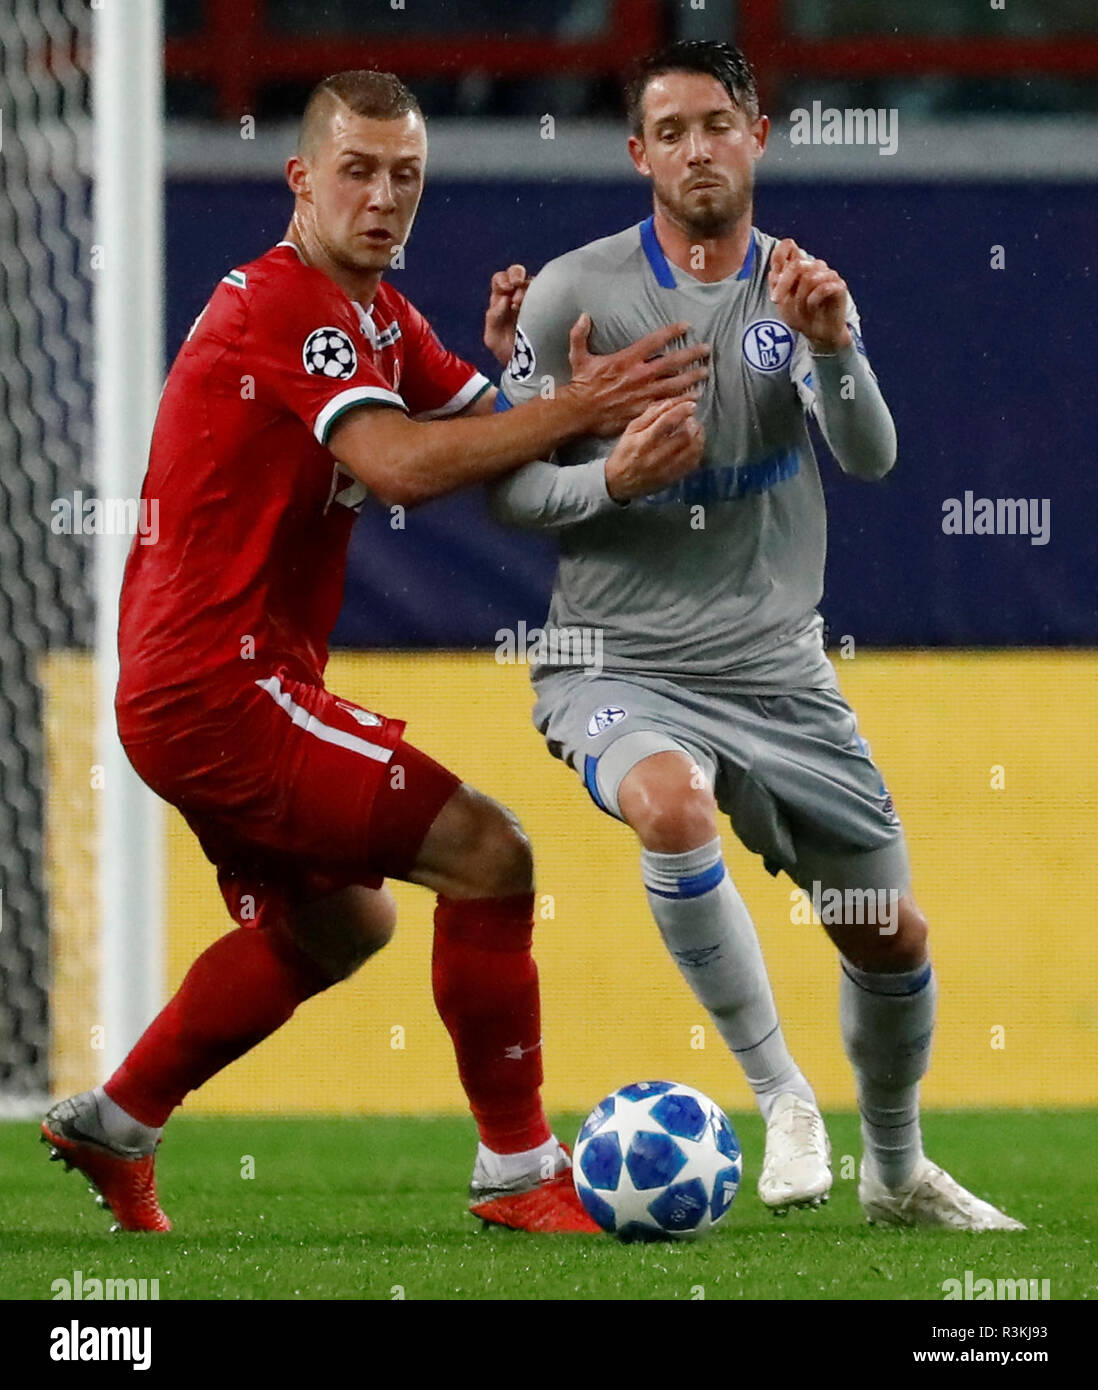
x,y
373,1208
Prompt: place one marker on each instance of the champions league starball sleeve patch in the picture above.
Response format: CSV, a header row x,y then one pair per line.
x,y
523,360
329,352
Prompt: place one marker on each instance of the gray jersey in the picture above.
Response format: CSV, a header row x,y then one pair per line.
x,y
718,576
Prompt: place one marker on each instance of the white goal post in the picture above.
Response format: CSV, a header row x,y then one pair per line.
x,y
127,109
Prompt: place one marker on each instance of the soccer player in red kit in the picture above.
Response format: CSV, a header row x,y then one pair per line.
x,y
305,385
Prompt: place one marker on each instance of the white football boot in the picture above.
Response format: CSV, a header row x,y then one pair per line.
x,y
930,1197
796,1168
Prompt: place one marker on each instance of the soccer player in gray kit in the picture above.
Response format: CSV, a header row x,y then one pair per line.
x,y
696,555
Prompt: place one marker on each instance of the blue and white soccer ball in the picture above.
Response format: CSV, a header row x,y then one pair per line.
x,y
656,1160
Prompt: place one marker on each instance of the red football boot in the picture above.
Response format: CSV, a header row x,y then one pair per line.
x,y
546,1205
122,1177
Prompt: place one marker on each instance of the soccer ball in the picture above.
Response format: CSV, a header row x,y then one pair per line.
x,y
656,1160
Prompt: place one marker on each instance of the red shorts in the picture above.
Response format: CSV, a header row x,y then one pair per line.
x,y
296,794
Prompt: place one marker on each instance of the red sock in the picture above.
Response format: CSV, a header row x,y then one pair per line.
x,y
236,993
486,991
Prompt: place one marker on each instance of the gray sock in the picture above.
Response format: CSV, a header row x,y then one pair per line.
x,y
118,1127
887,1024
708,930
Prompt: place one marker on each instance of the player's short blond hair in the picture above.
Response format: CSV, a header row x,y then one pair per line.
x,y
364,92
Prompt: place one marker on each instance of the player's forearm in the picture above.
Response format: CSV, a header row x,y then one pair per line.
x,y
853,415
438,457
547,497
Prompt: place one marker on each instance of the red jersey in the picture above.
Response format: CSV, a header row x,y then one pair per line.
x,y
245,572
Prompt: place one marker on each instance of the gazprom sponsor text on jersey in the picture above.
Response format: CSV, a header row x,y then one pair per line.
x,y
728,482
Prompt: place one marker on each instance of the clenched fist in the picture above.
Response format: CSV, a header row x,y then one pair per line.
x,y
810,296
507,293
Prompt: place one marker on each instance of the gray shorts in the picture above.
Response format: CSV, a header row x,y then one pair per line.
x,y
790,771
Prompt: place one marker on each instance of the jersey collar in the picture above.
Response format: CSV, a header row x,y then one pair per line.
x,y
366,322
661,268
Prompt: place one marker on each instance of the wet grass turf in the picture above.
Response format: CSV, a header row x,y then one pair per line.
x,y
374,1208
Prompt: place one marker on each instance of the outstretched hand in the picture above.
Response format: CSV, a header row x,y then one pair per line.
x,y
616,387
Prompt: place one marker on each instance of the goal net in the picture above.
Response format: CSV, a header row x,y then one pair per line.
x,y
67,806
46,602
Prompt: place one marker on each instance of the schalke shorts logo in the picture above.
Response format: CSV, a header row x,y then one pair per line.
x,y
603,718
767,345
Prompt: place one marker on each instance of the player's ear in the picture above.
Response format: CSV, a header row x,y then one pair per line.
x,y
760,129
297,176
638,156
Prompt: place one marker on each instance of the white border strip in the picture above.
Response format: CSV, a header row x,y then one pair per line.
x,y
351,396
472,388
312,725
1042,148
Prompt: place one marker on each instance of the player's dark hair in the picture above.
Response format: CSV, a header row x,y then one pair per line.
x,y
720,60
380,95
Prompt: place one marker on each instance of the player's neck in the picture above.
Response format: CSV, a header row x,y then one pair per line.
x,y
357,285
705,258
